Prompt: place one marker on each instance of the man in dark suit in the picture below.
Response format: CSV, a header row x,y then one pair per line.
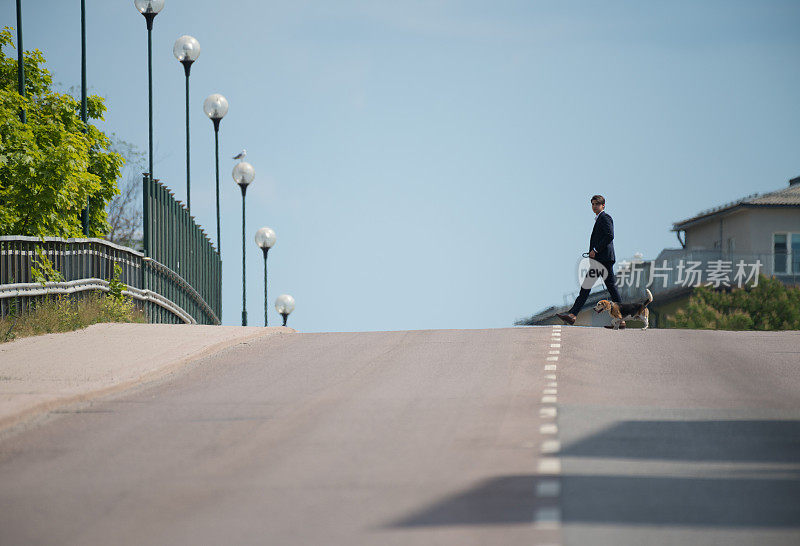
x,y
601,249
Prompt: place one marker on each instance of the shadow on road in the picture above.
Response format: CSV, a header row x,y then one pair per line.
x,y
699,502
758,496
499,501
765,441
751,474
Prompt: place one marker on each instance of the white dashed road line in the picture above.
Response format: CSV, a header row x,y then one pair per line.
x,y
548,428
551,446
548,485
548,488
548,518
550,466
547,411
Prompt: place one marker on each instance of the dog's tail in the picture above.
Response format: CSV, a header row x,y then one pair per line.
x,y
649,298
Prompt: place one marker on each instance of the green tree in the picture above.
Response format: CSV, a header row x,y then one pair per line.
x,y
769,306
50,165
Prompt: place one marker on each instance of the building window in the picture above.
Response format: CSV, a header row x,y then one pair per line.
x,y
779,250
794,252
786,252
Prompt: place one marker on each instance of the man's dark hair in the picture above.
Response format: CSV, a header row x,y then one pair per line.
x,y
599,199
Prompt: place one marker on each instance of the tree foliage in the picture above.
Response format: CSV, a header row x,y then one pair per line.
x,y
52,164
769,306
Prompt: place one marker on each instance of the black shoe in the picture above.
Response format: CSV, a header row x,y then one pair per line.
x,y
568,318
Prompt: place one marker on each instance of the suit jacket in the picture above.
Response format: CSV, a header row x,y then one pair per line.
x,y
602,239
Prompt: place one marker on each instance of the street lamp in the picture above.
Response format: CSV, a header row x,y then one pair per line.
x,y
284,305
186,50
216,106
243,174
84,117
265,239
149,8
20,61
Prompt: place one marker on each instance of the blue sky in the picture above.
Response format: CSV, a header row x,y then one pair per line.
x,y
429,164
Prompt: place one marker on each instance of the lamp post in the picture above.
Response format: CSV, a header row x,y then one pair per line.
x,y
216,106
186,50
84,117
149,8
284,305
265,239
83,62
243,174
20,60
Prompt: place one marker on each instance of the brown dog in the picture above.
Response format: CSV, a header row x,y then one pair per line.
x,y
622,311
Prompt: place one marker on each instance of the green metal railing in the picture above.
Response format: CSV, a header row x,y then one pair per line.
x,y
87,265
177,279
179,245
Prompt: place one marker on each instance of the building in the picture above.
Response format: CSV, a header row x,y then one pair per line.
x,y
765,225
720,247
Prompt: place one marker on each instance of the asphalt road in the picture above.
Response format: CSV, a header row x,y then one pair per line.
x,y
680,437
509,436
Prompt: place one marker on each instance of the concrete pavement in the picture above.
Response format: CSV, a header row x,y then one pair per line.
x,y
41,373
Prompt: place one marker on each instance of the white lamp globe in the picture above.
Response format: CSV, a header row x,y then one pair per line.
x,y
186,48
265,238
215,106
243,173
149,6
284,304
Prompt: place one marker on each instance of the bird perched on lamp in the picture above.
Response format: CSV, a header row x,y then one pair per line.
x,y
241,155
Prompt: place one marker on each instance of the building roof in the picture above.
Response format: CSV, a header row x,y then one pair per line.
x,y
786,197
